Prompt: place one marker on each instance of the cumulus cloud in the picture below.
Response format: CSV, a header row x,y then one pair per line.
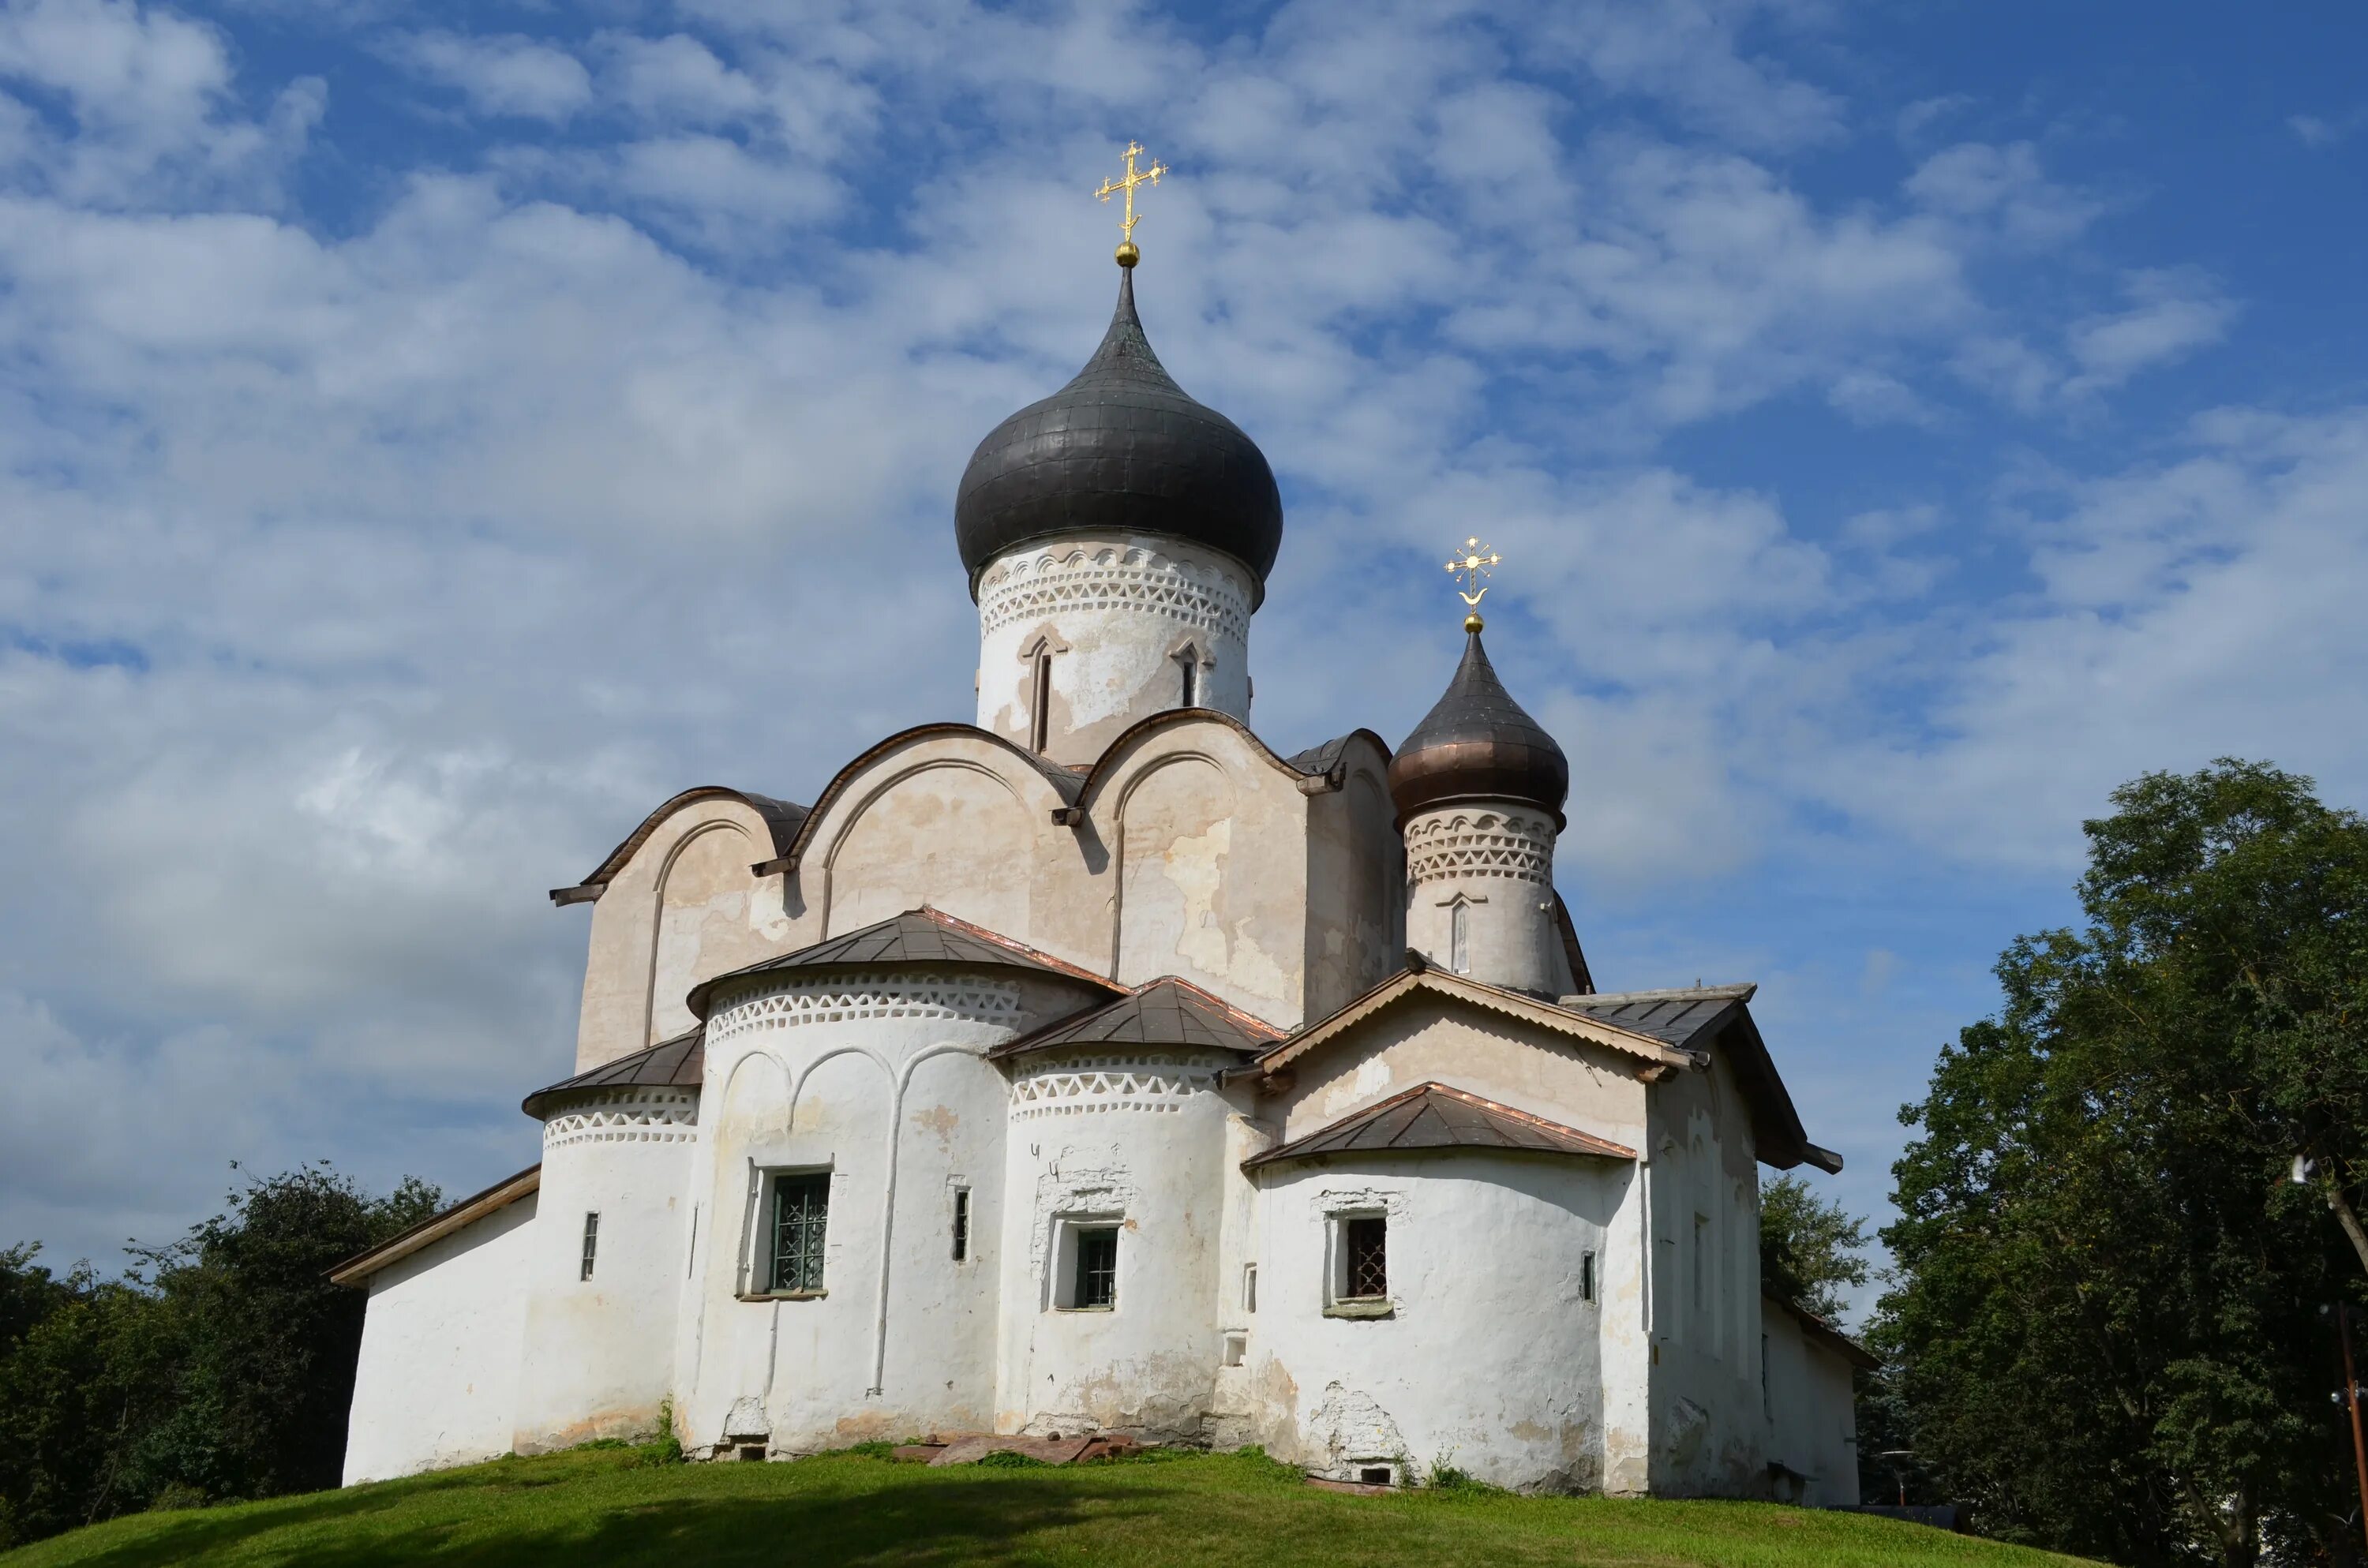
x,y
369,566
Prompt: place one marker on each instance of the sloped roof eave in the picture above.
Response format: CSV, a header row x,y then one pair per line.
x,y
454,1217
1516,1131
1548,1015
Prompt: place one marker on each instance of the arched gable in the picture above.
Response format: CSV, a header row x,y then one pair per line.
x,y
676,902
946,816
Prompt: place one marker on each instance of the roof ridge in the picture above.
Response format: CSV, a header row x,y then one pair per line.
x,y
971,927
1239,1015
1743,989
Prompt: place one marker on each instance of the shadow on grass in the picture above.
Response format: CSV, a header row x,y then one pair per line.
x,y
938,1522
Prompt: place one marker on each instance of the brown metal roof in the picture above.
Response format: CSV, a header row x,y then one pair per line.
x,y
1421,977
783,820
918,936
437,1226
1434,1116
681,1060
1688,1020
1167,1011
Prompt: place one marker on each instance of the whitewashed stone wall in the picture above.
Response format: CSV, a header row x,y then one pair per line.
x,y
1138,1139
1120,615
1490,868
596,1363
442,1342
1490,1359
879,1081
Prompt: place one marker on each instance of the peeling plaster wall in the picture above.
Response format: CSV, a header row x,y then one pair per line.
x,y
1490,1359
596,1364
1137,1138
685,906
436,1382
877,1079
1117,613
1355,884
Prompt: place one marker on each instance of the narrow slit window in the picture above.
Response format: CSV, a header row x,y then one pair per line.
x,y
591,1242
1702,1260
1249,1287
961,1225
1365,1248
1039,723
1459,939
801,1220
1097,1282
1587,1277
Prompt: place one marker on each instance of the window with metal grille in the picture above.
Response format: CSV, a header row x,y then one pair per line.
x,y
1364,1242
591,1244
1096,1266
961,1225
801,1215
1587,1277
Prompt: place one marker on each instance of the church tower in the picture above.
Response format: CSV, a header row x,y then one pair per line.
x,y
1117,536
1479,788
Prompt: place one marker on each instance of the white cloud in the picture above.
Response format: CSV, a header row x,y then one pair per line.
x,y
2171,314
500,75
2003,189
2325,130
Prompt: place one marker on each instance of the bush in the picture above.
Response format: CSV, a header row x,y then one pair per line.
x,y
1008,1459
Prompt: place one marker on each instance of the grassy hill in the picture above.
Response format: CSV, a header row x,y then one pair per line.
x,y
592,1508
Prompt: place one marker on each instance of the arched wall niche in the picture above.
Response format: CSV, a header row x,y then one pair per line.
x,y
699,919
952,832
1186,896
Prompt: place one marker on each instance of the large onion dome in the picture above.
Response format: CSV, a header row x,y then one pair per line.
x,y
1476,744
1120,448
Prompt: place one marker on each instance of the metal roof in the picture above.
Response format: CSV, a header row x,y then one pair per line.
x,y
681,1060
1121,449
922,936
358,1268
783,820
1167,1011
1434,1116
1477,743
1673,1018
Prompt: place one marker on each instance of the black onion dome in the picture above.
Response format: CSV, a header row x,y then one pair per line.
x,y
1476,744
1121,448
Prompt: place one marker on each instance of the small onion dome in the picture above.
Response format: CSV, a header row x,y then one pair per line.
x,y
1477,745
1120,448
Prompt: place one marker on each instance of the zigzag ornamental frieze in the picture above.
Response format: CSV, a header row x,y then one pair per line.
x,y
1036,586
1466,845
625,1115
793,1006
1081,1084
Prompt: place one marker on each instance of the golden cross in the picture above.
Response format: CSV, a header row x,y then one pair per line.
x,y
1471,565
1126,251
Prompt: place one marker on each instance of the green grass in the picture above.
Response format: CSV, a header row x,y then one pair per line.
x,y
593,1508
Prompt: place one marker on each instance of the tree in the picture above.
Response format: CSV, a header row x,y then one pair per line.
x,y
1808,1248
221,1367
2103,1328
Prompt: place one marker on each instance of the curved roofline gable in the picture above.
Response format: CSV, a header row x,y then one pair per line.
x,y
1110,763
1066,785
922,937
783,820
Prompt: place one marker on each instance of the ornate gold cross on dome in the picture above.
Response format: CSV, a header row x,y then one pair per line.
x,y
1127,254
1469,567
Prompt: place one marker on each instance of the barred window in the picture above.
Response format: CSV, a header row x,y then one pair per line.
x,y
961,1225
1097,1283
1365,1245
591,1244
801,1215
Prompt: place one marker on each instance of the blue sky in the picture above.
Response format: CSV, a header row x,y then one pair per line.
x,y
430,436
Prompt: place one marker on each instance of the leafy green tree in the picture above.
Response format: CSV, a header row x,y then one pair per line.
x,y
2104,1331
221,1367
1809,1248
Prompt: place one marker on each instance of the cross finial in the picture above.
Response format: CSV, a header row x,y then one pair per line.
x,y
1469,567
1127,254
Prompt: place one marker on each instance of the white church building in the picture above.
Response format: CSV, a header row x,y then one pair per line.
x,y
1095,1067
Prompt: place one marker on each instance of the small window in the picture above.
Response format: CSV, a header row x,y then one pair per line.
x,y
1097,1278
1039,718
961,1225
1701,1259
1767,1404
1459,937
1364,1241
1249,1287
591,1244
1238,1346
1191,681
801,1218
1587,1277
